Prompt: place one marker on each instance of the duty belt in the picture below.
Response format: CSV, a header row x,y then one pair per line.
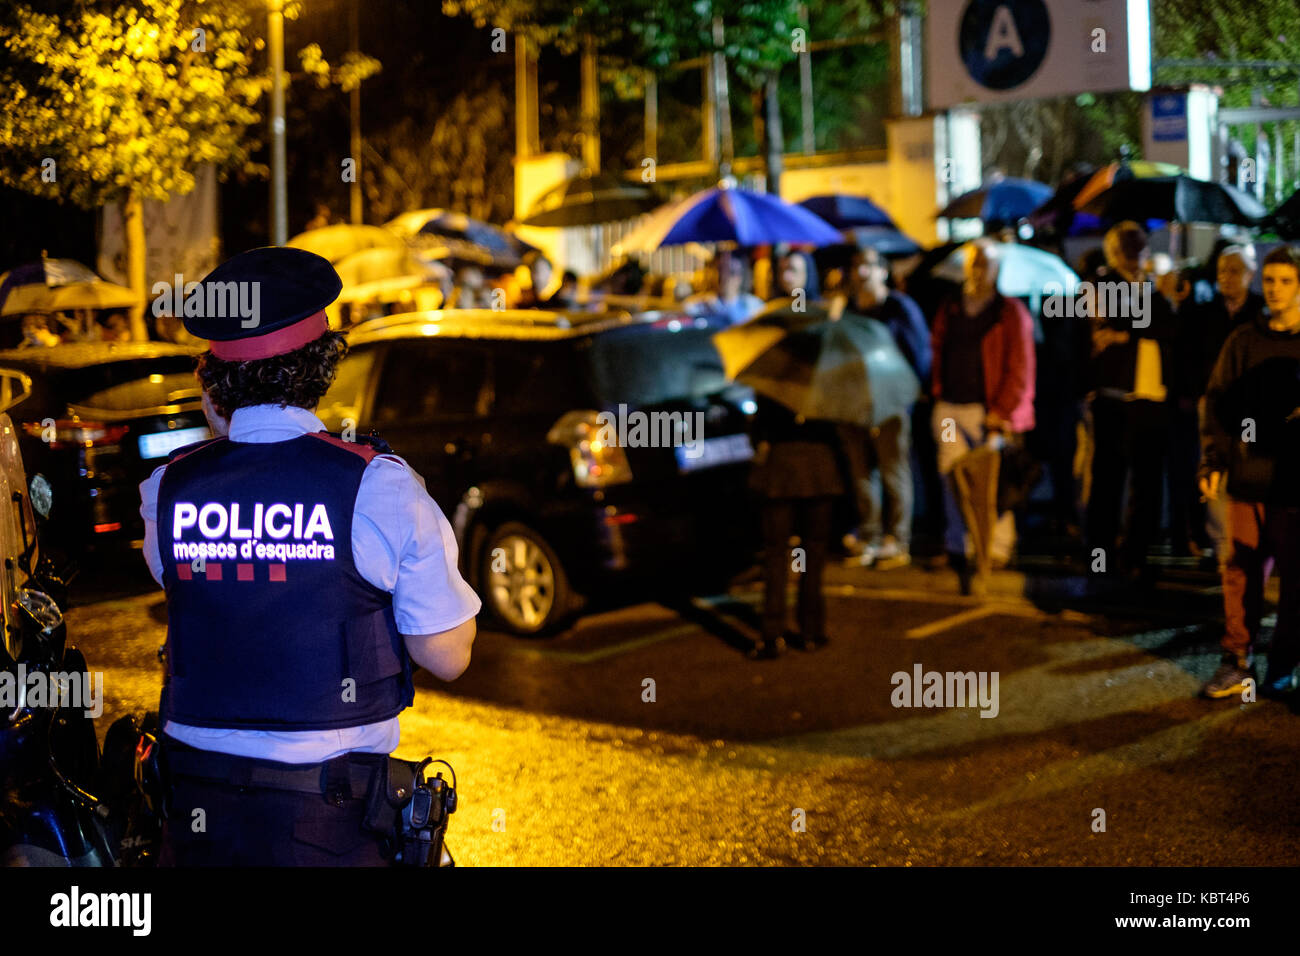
x,y
347,776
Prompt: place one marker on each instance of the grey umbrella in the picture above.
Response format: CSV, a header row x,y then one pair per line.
x,y
589,200
847,370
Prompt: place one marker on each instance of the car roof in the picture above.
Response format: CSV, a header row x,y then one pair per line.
x,y
83,354
524,324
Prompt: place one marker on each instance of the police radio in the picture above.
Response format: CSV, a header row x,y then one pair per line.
x,y
424,819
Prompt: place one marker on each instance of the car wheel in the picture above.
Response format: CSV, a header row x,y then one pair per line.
x,y
524,584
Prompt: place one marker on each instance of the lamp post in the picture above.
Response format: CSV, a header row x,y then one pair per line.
x,y
275,49
356,216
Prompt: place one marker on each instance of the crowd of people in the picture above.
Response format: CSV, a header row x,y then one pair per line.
x,y
1177,412
43,330
1172,418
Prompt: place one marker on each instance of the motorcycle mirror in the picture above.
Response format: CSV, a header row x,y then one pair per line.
x,y
36,630
41,609
41,495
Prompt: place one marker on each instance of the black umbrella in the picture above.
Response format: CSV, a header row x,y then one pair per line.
x,y
1005,199
1285,220
1177,199
846,370
848,212
1055,216
589,200
885,240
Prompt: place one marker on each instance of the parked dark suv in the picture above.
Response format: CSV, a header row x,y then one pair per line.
x,y
100,417
498,411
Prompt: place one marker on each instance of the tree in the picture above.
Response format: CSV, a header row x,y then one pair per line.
x,y
118,103
448,158
638,35
1217,32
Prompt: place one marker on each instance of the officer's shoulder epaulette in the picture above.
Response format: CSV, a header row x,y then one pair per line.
x,y
191,447
380,446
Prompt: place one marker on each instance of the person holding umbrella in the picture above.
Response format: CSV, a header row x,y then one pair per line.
x,y
1134,378
983,384
542,287
36,333
730,298
797,475
814,373
887,447
796,275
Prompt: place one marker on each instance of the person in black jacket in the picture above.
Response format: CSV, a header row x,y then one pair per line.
x,y
1133,330
1251,436
1205,326
798,473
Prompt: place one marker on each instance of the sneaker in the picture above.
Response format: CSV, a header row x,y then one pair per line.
x,y
799,642
766,650
859,551
892,555
961,564
1230,679
1278,686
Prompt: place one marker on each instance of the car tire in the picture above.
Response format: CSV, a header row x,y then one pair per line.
x,y
524,586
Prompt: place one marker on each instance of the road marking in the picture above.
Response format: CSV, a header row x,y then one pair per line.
x,y
1081,773
990,610
951,621
612,650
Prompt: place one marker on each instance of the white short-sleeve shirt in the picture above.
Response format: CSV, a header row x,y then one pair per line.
x,y
401,543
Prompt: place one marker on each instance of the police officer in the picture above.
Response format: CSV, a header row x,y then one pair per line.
x,y
304,574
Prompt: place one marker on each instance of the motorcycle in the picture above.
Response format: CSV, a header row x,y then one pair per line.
x,y
62,803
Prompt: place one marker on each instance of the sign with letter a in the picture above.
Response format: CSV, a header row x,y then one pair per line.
x,y
1000,50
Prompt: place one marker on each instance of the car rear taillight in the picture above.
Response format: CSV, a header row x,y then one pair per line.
x,y
596,462
73,432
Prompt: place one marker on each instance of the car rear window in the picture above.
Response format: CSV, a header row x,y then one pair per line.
x,y
74,386
538,378
649,365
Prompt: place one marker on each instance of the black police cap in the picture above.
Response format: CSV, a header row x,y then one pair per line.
x,y
263,302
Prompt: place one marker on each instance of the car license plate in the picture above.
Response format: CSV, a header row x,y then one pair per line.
x,y
161,444
723,450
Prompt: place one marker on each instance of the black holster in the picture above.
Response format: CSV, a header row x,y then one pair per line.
x,y
391,789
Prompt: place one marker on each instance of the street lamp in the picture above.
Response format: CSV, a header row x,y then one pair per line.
x,y
279,202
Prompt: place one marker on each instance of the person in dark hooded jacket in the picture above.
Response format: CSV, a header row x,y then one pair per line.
x,y
1251,452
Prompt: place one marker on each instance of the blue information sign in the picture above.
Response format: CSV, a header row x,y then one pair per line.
x,y
1169,118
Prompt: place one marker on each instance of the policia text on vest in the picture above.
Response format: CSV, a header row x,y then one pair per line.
x,y
277,521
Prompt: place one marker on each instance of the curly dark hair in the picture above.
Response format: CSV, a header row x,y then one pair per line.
x,y
300,377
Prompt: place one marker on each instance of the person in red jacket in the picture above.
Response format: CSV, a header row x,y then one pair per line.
x,y
983,382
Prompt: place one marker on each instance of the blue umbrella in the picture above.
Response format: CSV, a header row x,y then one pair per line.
x,y
1025,272
724,214
848,212
46,272
1004,200
54,285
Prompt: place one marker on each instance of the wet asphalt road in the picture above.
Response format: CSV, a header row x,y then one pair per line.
x,y
562,759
